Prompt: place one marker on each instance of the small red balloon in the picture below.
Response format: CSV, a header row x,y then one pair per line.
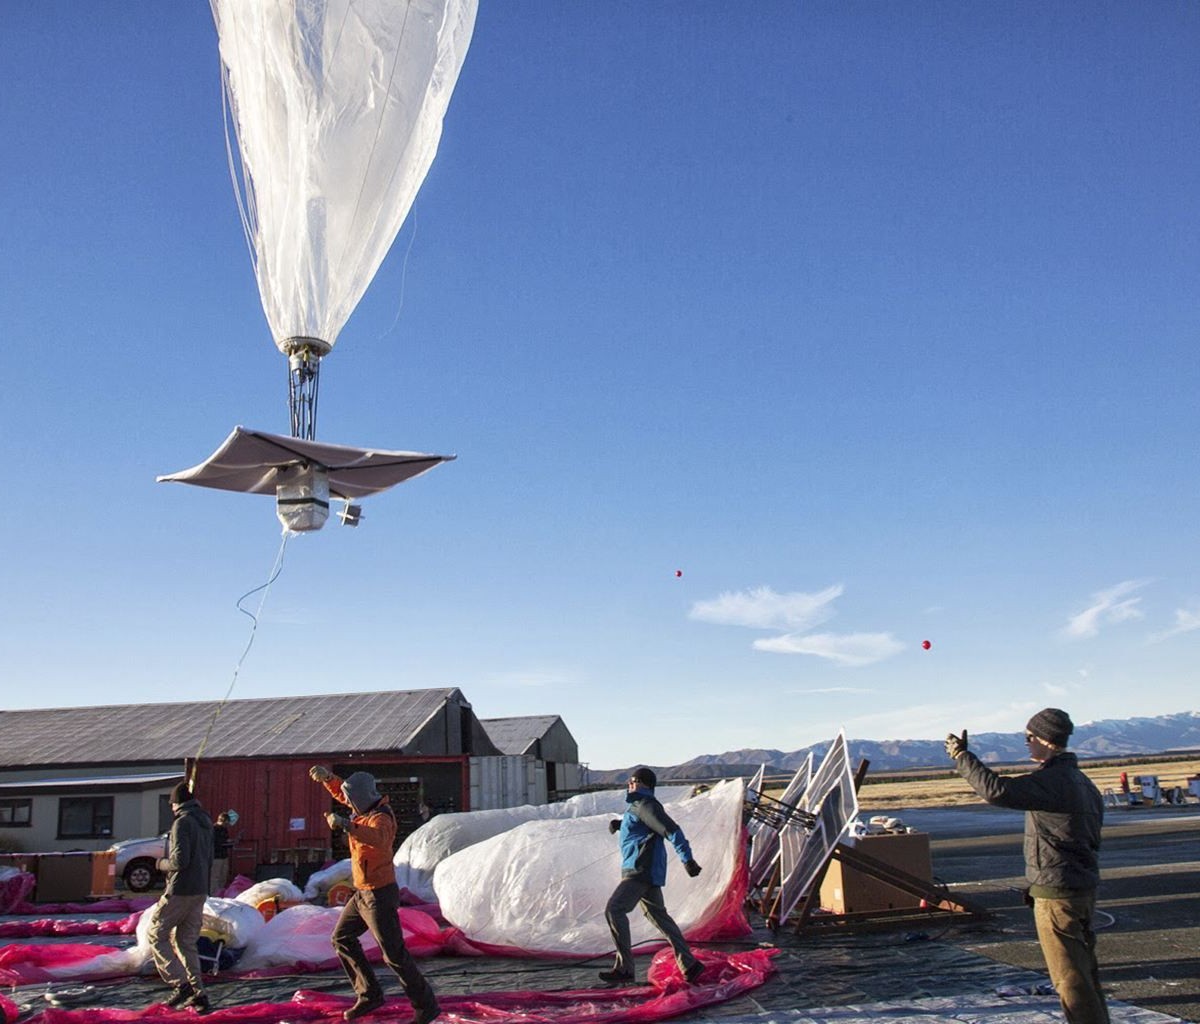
x,y
678,573
926,644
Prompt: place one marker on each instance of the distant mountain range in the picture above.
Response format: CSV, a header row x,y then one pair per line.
x,y
1125,737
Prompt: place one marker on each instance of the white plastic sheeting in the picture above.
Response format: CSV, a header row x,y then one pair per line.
x,y
298,935
337,106
542,886
438,838
271,889
322,881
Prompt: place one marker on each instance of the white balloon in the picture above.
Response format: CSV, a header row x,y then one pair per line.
x,y
337,109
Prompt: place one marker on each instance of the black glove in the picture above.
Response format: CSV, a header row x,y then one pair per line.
x,y
956,745
691,867
614,825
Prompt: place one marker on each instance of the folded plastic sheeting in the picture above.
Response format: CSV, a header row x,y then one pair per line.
x,y
541,887
319,882
279,889
15,887
726,976
237,923
423,850
58,927
298,938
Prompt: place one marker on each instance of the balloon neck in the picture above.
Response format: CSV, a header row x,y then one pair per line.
x,y
304,348
304,368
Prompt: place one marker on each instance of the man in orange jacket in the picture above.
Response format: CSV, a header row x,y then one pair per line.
x,y
375,904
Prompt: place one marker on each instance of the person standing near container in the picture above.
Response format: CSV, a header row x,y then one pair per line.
x,y
179,913
375,905
222,847
1063,814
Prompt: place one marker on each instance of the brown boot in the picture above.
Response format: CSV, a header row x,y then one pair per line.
x,y
362,1006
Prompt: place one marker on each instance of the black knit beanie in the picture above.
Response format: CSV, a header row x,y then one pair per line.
x,y
646,777
1052,725
181,794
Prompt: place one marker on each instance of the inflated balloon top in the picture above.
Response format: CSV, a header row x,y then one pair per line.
x,y
926,644
337,107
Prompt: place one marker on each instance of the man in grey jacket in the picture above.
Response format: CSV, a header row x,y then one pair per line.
x,y
1064,812
178,915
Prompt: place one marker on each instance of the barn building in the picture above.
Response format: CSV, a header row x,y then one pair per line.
x,y
80,778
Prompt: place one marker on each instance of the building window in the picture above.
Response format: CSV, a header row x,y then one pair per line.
x,y
166,816
85,817
16,813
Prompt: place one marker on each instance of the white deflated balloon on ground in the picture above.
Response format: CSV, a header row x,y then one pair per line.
x,y
446,834
542,886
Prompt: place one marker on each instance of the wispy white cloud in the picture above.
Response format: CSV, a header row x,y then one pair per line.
x,y
795,613
1187,620
935,720
762,608
853,649
1108,608
531,678
836,689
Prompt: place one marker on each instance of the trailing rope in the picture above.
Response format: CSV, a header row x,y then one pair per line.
x,y
276,569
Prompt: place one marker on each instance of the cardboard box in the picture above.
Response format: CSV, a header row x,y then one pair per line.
x,y
847,891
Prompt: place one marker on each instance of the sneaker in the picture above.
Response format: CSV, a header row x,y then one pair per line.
x,y
198,1001
693,972
362,1006
616,977
425,1013
180,996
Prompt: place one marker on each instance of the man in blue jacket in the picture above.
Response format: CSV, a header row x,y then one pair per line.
x,y
643,874
1064,812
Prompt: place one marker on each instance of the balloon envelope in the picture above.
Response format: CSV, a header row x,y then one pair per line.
x,y
337,108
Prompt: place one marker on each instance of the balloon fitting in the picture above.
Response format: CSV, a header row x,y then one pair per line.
x,y
304,368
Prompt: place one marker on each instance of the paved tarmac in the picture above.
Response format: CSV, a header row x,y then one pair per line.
x,y
921,973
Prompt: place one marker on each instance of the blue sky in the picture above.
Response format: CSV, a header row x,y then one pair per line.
x,y
877,322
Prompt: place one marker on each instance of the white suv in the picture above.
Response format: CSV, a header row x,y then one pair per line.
x,y
137,862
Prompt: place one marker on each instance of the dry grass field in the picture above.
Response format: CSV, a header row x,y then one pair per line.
x,y
949,790
888,792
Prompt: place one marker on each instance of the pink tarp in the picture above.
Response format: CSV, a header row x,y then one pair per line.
x,y
54,926
283,947
726,976
15,888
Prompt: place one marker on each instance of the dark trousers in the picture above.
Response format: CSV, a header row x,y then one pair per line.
x,y
377,911
625,897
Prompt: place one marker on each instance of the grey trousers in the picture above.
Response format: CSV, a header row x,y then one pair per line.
x,y
1064,929
625,897
173,935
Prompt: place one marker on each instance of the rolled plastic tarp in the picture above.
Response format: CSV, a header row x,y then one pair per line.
x,y
423,850
541,888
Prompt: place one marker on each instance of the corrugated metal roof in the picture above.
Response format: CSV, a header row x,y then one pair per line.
x,y
280,726
96,780
517,735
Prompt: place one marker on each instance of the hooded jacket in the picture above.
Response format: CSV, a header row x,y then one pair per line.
x,y
189,851
372,833
1064,812
644,826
